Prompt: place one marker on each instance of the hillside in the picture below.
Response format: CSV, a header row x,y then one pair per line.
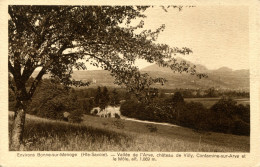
x,y
110,134
222,78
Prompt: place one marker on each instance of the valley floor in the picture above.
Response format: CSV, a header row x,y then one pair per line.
x,y
111,134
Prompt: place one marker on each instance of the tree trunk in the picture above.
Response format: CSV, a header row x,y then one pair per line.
x,y
18,127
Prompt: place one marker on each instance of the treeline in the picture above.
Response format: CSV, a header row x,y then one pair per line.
x,y
207,93
52,99
225,116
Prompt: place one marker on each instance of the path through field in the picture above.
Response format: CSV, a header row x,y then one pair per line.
x,y
148,122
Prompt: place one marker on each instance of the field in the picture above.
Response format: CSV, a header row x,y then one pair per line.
x,y
208,102
110,134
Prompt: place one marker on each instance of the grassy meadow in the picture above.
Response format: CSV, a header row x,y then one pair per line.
x,y
208,102
111,134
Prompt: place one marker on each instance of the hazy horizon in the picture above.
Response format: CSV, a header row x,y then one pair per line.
x,y
143,64
217,35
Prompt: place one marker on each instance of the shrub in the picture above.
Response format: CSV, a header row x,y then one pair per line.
x,y
118,124
225,116
152,128
195,115
243,112
117,116
95,112
51,100
76,116
129,108
177,98
230,117
86,105
224,107
241,128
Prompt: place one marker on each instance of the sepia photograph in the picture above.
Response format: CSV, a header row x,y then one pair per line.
x,y
130,83
128,78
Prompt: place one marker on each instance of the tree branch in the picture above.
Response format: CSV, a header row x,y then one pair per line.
x,y
39,78
28,70
17,65
11,68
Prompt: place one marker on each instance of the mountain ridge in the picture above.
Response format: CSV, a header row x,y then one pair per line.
x,y
221,78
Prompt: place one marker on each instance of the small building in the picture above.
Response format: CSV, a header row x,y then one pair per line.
x,y
109,111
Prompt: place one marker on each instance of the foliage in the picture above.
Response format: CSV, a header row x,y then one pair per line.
x,y
206,93
104,101
95,112
225,116
129,108
86,105
196,116
58,39
177,98
52,99
117,116
90,33
76,116
211,92
115,101
98,96
230,117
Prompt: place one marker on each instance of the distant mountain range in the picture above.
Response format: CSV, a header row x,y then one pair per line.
x,y
222,78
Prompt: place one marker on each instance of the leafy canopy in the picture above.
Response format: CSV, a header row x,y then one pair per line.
x,y
58,39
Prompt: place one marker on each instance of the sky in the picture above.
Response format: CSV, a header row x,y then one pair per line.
x,y
217,35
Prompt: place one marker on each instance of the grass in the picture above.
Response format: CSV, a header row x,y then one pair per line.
x,y
110,134
208,102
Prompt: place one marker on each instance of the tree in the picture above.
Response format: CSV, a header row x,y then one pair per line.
x,y
51,100
98,96
58,39
104,100
177,98
115,98
211,92
178,104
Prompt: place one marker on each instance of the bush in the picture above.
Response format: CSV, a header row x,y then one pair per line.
x,y
241,128
117,116
195,115
152,128
76,116
225,116
177,98
129,108
243,112
118,124
230,117
95,112
51,100
86,105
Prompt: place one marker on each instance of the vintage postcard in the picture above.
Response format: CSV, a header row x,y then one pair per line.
x,y
130,83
